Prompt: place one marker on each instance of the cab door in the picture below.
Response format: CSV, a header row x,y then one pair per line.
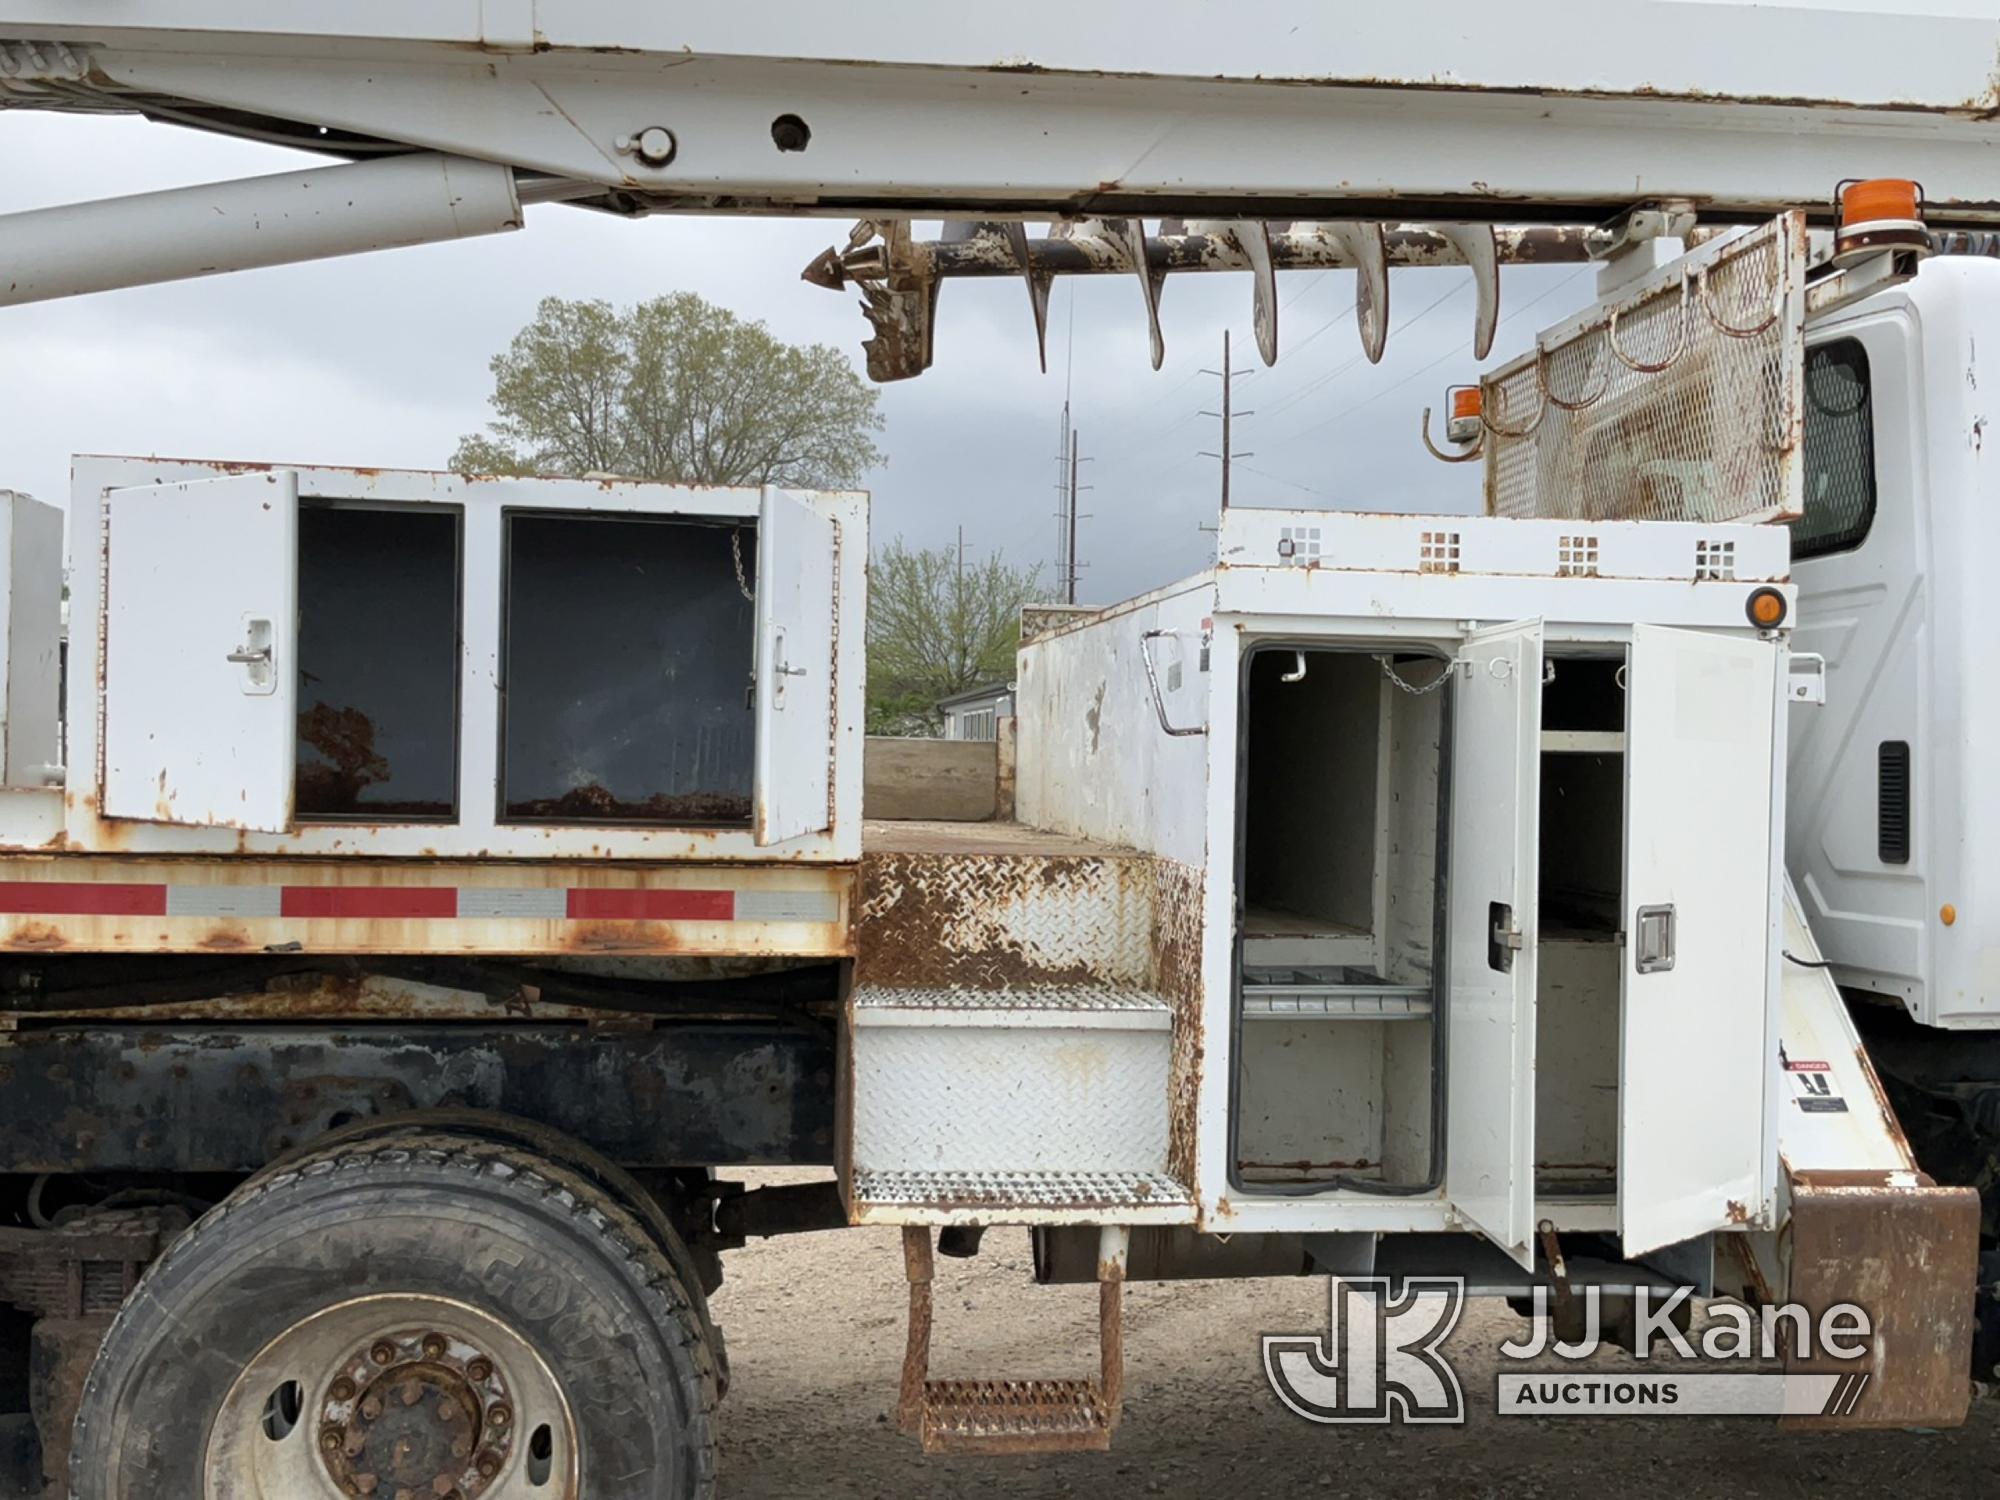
x,y
1491,895
1695,1057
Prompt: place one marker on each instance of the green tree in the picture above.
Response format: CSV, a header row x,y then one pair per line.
x,y
936,628
673,389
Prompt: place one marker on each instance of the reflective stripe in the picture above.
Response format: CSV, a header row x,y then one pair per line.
x,y
222,900
549,903
787,906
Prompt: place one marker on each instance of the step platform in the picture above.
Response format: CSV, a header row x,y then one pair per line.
x,y
1044,1104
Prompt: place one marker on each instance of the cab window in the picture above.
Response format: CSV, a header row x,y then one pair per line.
x,y
1839,452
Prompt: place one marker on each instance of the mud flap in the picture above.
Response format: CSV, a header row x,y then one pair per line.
x,y
1909,1257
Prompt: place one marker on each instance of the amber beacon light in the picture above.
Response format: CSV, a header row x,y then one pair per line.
x,y
1880,213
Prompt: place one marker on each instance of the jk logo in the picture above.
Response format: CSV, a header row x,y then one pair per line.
x,y
1378,1360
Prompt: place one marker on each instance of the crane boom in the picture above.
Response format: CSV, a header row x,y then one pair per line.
x,y
1456,132
1258,108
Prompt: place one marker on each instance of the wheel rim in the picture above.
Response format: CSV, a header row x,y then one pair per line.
x,y
394,1398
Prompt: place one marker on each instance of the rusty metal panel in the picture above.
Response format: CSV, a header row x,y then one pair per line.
x,y
102,904
1177,931
1908,1255
1004,922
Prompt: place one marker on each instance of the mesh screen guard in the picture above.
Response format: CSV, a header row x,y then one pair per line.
x,y
1678,399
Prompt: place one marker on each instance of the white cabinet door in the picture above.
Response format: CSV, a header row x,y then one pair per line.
x,y
795,654
1491,921
200,668
1694,1062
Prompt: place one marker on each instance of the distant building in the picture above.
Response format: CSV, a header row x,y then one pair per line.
x,y
975,713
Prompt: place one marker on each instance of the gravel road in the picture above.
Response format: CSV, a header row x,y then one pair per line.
x,y
815,1330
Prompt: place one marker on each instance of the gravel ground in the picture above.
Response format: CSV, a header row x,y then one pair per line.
x,y
815,1331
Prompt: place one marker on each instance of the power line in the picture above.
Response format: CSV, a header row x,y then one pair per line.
x,y
1299,395
1342,416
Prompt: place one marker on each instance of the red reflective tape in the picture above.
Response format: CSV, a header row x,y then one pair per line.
x,y
603,905
82,898
368,901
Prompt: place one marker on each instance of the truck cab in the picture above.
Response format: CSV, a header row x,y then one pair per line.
x,y
1892,815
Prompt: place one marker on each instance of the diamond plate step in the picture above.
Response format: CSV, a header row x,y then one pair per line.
x,y
1069,1007
1014,1416
1020,1197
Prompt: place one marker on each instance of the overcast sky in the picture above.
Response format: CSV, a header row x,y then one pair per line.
x,y
382,360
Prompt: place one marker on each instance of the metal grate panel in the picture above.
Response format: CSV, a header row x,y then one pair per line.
x,y
1019,1190
1679,399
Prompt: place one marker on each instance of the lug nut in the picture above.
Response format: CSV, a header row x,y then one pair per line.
x,y
342,1389
433,1346
331,1440
499,1416
383,1352
489,1465
479,1369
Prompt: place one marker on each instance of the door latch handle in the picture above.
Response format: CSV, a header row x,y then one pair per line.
x,y
1653,953
257,656
1503,938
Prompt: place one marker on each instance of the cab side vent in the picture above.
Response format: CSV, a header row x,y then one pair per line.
x,y
1892,802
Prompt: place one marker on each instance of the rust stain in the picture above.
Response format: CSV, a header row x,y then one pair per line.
x,y
978,921
1888,1111
40,937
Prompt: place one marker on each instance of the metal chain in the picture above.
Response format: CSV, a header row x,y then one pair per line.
x,y
1389,671
736,554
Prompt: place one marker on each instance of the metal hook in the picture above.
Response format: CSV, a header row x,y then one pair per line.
x,y
1298,672
1646,367
1581,402
1723,325
1472,450
1513,434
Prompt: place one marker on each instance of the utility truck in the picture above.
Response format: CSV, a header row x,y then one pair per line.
x,y
427,887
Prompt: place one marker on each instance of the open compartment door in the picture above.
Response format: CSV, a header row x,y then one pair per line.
x,y
1491,924
201,672
1694,1061
796,548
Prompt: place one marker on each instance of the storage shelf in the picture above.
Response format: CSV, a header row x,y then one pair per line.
x,y
1360,1005
1334,994
1583,742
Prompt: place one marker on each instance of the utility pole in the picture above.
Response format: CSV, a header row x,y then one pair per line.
x,y
1068,458
1228,374
1069,585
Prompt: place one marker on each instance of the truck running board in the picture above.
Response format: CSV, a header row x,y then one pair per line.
x,y
1014,1416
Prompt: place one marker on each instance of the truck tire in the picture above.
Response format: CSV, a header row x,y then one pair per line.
x,y
699,1269
430,1314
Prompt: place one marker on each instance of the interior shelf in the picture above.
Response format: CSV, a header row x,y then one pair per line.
x,y
1583,742
1340,994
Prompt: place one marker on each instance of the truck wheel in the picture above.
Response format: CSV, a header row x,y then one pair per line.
x,y
699,1269
429,1316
